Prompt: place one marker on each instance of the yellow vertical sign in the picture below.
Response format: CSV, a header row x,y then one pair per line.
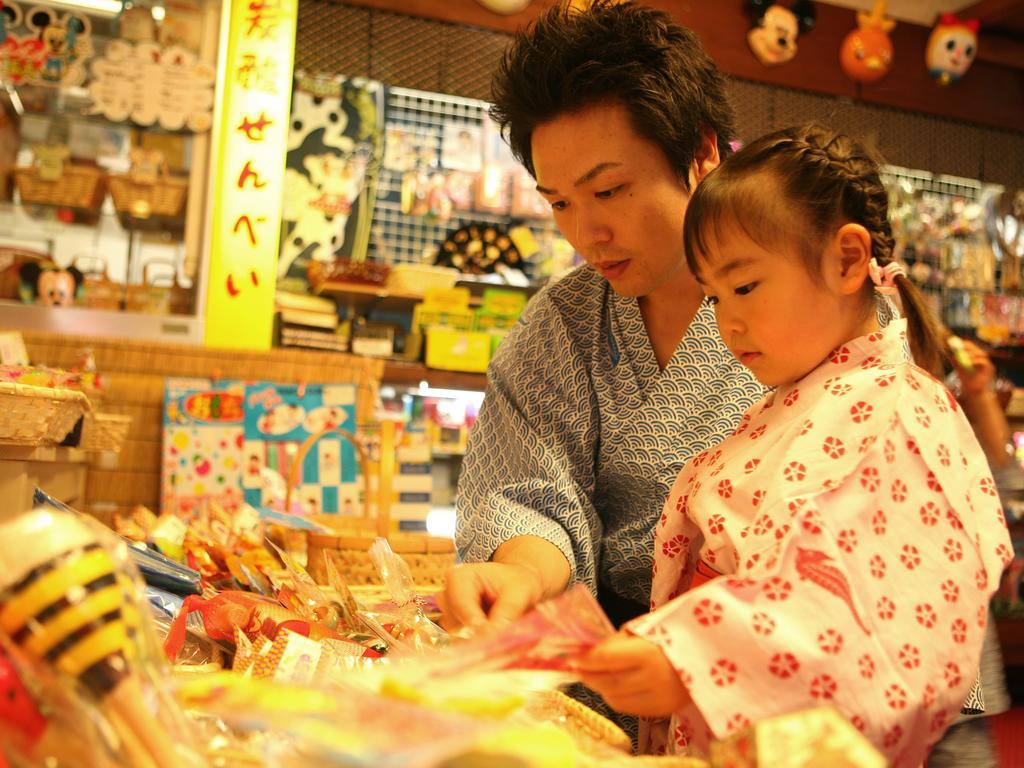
x,y
248,184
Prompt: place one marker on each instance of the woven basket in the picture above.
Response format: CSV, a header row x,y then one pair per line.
x,y
598,739
150,298
586,726
80,186
98,290
164,197
428,557
104,432
38,415
653,761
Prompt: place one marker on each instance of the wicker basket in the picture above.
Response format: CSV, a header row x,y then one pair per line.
x,y
653,761
80,186
591,731
164,197
104,432
98,290
151,298
38,415
428,557
598,740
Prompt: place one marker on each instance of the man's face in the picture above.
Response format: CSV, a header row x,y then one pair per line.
x,y
615,197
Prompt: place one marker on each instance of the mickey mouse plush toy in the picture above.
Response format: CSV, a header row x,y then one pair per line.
x,y
50,286
775,29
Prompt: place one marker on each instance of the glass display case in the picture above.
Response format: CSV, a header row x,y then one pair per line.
x,y
105,143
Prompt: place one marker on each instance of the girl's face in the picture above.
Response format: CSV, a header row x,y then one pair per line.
x,y
780,320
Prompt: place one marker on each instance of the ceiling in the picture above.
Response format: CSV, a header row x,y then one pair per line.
x,y
1002,18
917,11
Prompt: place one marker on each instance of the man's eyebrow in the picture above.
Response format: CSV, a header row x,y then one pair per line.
x,y
592,173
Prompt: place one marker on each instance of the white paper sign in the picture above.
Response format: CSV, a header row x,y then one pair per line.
x,y
151,85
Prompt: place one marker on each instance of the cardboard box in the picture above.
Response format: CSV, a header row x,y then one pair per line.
x,y
454,350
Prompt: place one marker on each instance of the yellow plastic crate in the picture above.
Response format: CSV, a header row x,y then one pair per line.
x,y
487,321
454,350
424,317
496,339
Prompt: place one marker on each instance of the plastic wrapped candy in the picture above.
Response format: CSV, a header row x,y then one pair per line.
x,y
255,615
405,626
70,605
157,570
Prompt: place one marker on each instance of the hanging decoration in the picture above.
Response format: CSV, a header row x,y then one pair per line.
x,y
50,286
866,55
21,56
152,85
66,42
951,48
776,27
505,7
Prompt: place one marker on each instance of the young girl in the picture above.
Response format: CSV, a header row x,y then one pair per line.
x,y
841,546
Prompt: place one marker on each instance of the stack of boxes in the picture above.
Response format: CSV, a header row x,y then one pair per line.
x,y
459,338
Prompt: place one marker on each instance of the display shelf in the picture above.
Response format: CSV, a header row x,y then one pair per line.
x,y
363,297
43,453
412,374
60,471
77,321
360,298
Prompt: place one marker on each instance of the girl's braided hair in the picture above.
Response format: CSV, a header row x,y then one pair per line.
x,y
798,185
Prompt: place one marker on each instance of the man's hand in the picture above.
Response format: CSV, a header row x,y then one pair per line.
x,y
522,572
634,676
489,593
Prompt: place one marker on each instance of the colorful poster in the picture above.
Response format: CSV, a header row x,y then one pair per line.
x,y
202,445
278,419
334,153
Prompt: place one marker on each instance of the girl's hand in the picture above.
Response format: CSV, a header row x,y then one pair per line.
x,y
981,375
633,676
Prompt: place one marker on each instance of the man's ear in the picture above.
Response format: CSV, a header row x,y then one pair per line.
x,y
850,252
706,158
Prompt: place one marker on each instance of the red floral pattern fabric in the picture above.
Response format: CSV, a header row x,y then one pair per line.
x,y
841,546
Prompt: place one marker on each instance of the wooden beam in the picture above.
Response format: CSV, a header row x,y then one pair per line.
x,y
992,93
468,12
1001,50
991,12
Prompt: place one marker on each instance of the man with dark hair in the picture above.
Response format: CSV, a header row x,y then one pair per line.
x,y
616,374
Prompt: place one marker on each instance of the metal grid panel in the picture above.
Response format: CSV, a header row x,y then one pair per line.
x,y
398,237
406,52
755,108
905,138
794,107
935,183
435,56
333,39
949,299
471,56
1003,158
958,150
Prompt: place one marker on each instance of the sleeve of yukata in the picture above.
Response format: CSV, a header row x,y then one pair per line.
x,y
872,597
530,465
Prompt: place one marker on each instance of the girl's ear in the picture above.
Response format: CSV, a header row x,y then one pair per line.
x,y
850,250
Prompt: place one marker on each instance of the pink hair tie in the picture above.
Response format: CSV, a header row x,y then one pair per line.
x,y
884,278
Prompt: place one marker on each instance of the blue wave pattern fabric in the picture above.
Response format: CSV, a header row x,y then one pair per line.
x,y
581,436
